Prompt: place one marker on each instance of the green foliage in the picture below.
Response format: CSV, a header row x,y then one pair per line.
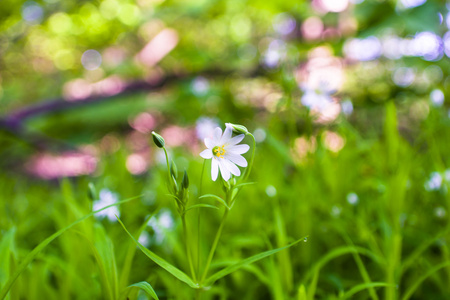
x,y
369,187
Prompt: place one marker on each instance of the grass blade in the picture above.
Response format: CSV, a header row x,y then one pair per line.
x,y
247,261
6,245
200,206
215,197
362,287
126,268
29,258
315,270
163,263
415,285
143,285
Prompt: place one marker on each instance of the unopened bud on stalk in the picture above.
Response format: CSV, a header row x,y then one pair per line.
x,y
238,128
158,140
185,181
92,192
174,170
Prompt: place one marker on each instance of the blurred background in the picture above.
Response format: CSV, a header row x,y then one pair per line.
x,y
346,100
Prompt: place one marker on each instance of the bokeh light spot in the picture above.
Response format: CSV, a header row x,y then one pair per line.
x,y
60,23
284,23
109,9
312,28
129,14
334,5
64,59
403,76
91,59
32,12
437,98
412,3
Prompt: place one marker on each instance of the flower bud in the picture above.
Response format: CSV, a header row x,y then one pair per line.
x,y
158,140
185,181
173,170
92,192
238,128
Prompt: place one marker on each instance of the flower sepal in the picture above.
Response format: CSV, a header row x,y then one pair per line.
x,y
238,128
158,140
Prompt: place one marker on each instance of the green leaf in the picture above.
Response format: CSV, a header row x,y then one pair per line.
x,y
315,270
244,262
244,184
176,198
217,198
6,245
143,285
126,268
29,258
416,284
301,293
424,245
107,262
200,206
362,287
103,253
162,263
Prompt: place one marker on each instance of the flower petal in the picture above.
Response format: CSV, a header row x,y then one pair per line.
x,y
214,169
226,137
209,143
224,170
238,149
217,135
231,167
206,154
236,159
236,140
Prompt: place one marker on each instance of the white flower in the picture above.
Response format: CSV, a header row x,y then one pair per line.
x,y
225,153
317,99
161,224
435,182
107,198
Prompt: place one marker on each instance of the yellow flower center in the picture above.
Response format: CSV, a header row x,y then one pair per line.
x,y
219,151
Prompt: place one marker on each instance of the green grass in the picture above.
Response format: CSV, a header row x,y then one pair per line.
x,y
388,245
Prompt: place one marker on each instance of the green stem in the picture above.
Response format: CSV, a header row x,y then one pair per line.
x,y
250,165
214,246
200,190
167,160
188,248
198,294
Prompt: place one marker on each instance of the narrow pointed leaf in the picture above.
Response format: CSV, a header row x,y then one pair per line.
x,y
5,254
143,285
215,197
200,206
29,258
244,262
163,263
362,287
126,268
244,184
413,287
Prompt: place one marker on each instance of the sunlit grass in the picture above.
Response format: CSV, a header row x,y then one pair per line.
x,y
387,243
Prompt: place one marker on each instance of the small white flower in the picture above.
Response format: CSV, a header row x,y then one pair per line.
x,y
161,224
225,153
319,99
107,198
435,182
